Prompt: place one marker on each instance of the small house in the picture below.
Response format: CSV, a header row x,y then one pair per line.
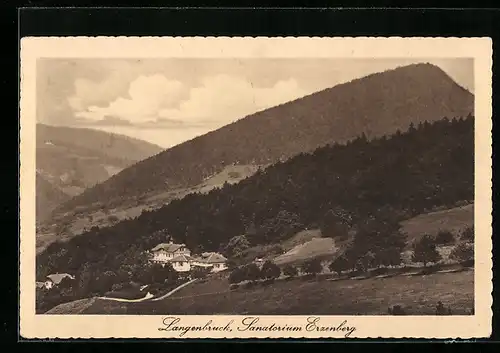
x,y
181,263
216,261
165,252
55,279
179,256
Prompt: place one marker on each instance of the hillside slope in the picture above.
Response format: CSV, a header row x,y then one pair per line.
x,y
391,178
72,159
376,105
47,197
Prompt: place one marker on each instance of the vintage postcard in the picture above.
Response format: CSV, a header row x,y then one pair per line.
x,y
216,187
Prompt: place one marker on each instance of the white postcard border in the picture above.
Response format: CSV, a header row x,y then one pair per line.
x,y
143,326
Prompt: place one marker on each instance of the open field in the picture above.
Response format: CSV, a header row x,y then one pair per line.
x,y
417,294
313,248
454,220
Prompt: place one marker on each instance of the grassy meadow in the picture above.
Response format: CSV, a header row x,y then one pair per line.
x,y
417,294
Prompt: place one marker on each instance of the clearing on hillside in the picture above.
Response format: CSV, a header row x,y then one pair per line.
x,y
454,220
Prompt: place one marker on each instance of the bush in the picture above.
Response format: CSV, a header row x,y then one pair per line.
x,y
290,271
468,234
442,310
462,252
425,251
396,310
200,272
118,286
237,275
339,265
270,270
312,266
251,272
444,237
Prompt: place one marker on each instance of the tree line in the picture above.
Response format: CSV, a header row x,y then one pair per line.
x,y
359,260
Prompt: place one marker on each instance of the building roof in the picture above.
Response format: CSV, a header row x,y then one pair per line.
x,y
168,247
216,258
212,258
181,258
58,277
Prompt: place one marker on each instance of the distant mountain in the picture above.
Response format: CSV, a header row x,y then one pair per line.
x,y
69,160
47,197
375,105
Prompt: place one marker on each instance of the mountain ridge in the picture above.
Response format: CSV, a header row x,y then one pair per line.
x,y
374,105
69,160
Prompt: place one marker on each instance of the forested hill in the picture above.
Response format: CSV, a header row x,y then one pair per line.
x,y
69,160
393,177
377,105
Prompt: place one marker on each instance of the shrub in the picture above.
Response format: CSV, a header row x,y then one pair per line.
x,y
339,265
425,251
200,272
251,272
468,234
462,252
444,237
312,266
442,310
396,310
290,271
270,270
237,275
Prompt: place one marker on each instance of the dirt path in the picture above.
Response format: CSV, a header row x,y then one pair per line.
x,y
174,290
147,297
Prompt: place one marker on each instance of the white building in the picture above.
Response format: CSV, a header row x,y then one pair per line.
x,y
179,256
54,279
165,252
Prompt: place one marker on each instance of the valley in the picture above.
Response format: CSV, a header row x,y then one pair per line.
x,y
352,192
70,160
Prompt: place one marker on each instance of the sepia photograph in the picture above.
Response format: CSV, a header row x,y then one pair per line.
x,y
257,186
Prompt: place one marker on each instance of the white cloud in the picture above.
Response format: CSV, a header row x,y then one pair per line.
x,y
147,96
219,99
88,92
223,98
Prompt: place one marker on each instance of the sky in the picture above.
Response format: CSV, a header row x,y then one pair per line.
x,y
169,101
